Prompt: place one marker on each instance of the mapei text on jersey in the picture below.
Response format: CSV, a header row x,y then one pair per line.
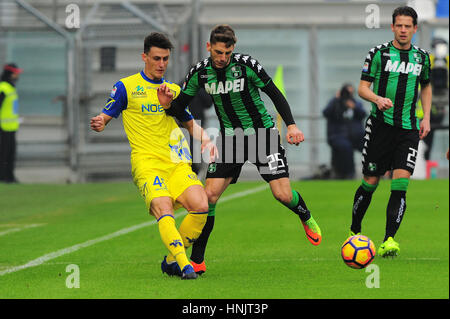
x,y
403,67
225,87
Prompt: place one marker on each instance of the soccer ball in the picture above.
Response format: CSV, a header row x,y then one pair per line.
x,y
358,251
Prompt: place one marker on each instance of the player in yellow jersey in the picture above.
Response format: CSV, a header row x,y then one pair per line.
x,y
160,156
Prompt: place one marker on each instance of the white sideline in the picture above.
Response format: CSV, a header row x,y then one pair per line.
x,y
40,260
16,229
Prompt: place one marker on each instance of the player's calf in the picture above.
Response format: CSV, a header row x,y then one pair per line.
x,y
361,202
191,227
396,206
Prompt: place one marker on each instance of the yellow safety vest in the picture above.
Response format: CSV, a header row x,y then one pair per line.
x,y
9,110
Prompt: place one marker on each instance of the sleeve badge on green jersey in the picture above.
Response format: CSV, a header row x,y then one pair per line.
x,y
366,67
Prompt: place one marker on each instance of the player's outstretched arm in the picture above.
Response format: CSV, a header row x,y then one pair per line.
x,y
99,122
367,94
198,133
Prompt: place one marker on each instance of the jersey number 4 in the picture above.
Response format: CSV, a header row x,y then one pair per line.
x,y
159,181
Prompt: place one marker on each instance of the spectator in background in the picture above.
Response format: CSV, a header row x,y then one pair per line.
x,y
345,131
9,121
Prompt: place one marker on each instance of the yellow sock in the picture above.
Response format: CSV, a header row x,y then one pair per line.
x,y
192,227
172,240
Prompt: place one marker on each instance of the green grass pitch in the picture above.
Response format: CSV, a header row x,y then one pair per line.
x,y
258,249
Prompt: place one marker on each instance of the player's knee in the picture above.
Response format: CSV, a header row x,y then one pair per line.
x,y
202,207
372,180
202,202
283,196
213,197
197,204
161,206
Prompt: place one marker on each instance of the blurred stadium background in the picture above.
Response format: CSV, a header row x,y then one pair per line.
x,y
69,69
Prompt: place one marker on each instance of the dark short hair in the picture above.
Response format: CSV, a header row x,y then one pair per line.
x,y
405,11
156,39
223,33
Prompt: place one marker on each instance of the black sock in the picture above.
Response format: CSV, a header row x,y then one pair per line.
x,y
395,211
361,202
199,246
298,206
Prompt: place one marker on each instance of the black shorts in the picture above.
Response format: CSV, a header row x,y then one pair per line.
x,y
387,148
262,149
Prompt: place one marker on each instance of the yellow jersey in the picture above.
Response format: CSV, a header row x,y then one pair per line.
x,y
150,131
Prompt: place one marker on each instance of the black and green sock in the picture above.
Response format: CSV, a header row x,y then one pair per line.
x,y
396,206
298,206
361,203
199,246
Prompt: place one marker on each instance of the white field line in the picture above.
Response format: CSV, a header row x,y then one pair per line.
x,y
267,260
16,229
40,260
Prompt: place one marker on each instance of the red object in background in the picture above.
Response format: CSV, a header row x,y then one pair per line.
x,y
430,165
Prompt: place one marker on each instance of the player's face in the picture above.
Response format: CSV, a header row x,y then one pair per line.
x,y
220,54
404,30
156,62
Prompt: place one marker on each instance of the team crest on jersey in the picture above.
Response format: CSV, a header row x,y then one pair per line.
x,y
236,71
418,57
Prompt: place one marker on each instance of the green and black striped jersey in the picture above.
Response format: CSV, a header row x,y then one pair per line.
x,y
396,74
235,92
